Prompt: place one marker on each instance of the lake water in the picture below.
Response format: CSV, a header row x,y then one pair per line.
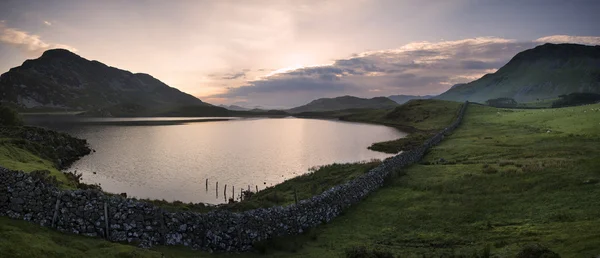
x,y
172,162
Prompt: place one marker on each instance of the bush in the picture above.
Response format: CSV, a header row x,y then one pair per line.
x,y
9,117
363,252
536,251
501,102
576,99
490,170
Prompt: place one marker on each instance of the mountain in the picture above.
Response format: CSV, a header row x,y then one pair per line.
x,y
214,111
401,99
234,107
545,71
61,79
345,102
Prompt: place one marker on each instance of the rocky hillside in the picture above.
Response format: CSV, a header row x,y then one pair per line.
x,y
545,71
63,80
345,102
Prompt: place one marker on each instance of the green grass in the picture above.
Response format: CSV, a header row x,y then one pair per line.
x,y
544,189
23,239
14,157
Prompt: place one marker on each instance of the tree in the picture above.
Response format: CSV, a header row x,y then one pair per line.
x,y
576,99
501,102
9,117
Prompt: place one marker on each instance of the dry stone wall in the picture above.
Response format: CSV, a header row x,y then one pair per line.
x,y
93,213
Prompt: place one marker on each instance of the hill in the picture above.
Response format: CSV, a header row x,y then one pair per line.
x,y
234,107
543,72
344,102
401,99
60,79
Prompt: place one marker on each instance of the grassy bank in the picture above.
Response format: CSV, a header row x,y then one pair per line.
x,y
305,186
30,148
420,118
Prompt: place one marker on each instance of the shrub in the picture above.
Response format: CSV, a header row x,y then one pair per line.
x,y
501,102
505,163
9,117
576,99
490,170
363,252
536,251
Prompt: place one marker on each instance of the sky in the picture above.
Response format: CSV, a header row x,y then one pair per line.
x,y
285,53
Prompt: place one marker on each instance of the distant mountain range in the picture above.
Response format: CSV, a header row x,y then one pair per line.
x,y
543,72
344,102
401,99
63,80
234,107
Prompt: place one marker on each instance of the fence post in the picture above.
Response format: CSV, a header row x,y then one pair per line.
x,y
163,229
295,196
106,219
55,216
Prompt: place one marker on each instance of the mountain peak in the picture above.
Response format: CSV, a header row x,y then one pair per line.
x,y
558,51
64,80
344,102
543,72
59,53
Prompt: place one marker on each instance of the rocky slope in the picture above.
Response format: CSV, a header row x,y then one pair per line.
x,y
63,80
344,102
543,72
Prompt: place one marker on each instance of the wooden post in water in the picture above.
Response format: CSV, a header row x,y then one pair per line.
x,y
233,192
257,188
207,184
225,192
217,189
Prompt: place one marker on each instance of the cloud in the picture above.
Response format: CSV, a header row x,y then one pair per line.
x,y
586,40
48,23
30,44
418,68
233,76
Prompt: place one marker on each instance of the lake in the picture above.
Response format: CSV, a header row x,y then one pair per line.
x,y
173,161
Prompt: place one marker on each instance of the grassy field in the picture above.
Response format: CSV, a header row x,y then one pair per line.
x,y
504,179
